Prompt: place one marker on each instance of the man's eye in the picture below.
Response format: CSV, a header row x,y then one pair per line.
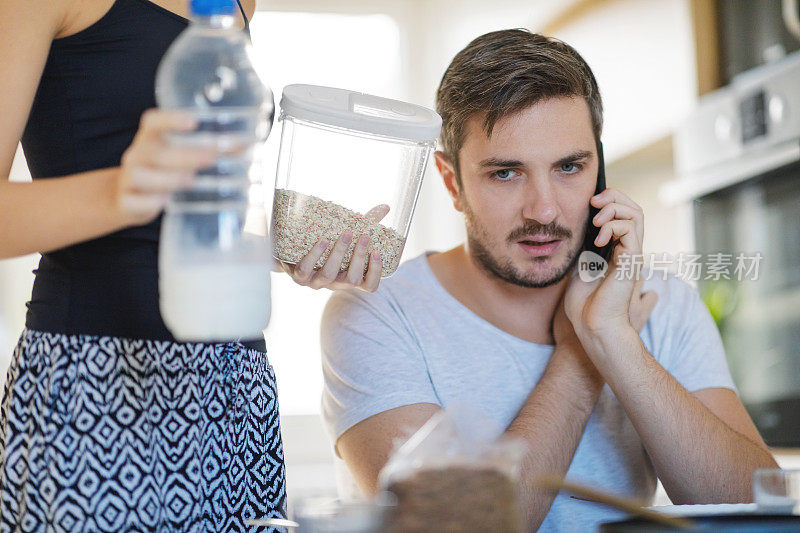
x,y
571,168
504,174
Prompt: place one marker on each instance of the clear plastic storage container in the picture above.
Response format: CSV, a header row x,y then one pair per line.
x,y
348,161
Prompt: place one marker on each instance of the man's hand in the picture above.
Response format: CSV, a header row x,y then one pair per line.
x,y
606,306
641,306
568,346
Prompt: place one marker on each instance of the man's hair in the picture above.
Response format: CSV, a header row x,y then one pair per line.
x,y
504,72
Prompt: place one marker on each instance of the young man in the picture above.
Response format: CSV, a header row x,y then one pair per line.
x,y
598,390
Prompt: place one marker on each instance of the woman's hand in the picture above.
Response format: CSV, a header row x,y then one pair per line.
x,y
364,271
330,276
152,167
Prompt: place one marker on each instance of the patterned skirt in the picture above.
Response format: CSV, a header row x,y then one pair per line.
x,y
110,434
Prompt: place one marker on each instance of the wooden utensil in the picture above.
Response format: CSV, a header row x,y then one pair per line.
x,y
633,507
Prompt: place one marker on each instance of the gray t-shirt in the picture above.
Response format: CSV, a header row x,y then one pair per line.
x,y
413,342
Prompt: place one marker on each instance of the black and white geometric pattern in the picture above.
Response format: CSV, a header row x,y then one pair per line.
x,y
110,434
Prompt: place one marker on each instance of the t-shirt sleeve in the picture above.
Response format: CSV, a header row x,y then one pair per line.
x,y
370,360
694,352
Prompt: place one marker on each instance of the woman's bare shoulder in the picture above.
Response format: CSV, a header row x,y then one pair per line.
x,y
249,8
27,28
80,14
42,13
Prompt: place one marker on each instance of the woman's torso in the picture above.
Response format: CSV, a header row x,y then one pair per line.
x,y
95,85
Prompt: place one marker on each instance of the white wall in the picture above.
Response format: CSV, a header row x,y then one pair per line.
x,y
642,54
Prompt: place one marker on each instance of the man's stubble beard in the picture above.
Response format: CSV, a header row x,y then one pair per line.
x,y
477,237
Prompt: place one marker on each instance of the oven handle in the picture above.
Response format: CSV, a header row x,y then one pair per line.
x,y
721,176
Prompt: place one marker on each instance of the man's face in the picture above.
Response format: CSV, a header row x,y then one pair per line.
x,y
525,190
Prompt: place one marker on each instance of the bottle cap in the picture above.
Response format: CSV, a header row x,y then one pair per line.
x,y
209,8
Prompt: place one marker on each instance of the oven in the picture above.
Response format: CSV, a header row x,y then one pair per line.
x,y
738,162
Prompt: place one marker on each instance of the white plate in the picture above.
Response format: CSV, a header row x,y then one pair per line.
x,y
706,509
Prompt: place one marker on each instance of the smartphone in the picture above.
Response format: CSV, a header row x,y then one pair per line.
x,y
591,230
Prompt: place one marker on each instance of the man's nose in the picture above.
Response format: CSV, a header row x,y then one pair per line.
x,y
540,202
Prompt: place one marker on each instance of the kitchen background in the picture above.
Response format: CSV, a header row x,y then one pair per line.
x,y
653,59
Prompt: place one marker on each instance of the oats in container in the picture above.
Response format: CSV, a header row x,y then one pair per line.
x,y
348,161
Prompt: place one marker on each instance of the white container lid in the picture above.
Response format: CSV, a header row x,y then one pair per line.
x,y
361,112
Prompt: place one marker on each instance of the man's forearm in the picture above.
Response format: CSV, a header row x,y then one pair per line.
x,y
698,458
552,422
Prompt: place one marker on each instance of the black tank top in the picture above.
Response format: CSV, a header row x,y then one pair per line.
x,y
95,86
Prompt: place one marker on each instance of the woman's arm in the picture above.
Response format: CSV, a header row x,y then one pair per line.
x,y
57,212
33,216
50,214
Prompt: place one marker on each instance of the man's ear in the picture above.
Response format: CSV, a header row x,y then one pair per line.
x,y
448,172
